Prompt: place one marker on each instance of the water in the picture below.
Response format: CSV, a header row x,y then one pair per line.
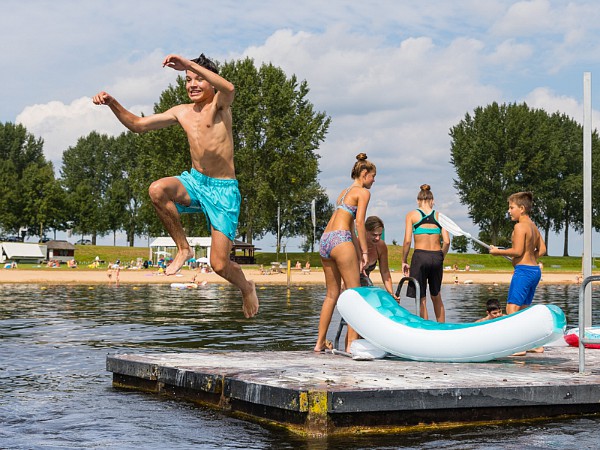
x,y
55,391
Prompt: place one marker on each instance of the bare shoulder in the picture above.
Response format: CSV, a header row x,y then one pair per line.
x,y
179,110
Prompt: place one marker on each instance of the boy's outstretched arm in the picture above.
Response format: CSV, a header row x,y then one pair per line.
x,y
135,123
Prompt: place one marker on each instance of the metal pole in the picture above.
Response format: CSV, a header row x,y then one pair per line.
x,y
278,229
587,191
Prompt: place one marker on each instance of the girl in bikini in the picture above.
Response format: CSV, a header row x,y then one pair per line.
x,y
343,247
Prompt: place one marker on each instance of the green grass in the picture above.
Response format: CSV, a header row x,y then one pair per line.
x,y
85,254
484,262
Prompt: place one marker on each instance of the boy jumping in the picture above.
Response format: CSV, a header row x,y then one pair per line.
x,y
210,185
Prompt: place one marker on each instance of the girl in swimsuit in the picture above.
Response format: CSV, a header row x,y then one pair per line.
x,y
343,246
377,253
431,245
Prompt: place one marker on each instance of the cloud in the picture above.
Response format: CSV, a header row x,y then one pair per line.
x,y
394,76
550,102
61,125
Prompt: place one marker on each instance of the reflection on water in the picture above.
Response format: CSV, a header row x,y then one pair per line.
x,y
55,391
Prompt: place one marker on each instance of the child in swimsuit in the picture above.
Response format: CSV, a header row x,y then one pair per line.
x,y
340,245
377,254
527,246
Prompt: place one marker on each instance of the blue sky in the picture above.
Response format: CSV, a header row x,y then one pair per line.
x,y
394,76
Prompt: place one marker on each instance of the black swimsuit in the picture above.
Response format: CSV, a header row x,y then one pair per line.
x,y
365,280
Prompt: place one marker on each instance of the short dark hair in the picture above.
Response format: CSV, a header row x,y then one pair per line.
x,y
524,199
492,305
206,63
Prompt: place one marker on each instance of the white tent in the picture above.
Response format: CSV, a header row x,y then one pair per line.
x,y
19,251
165,246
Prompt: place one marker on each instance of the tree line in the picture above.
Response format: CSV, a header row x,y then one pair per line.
x,y
102,184
497,150
505,148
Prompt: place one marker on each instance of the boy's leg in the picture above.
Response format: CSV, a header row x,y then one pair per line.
x,y
232,272
164,193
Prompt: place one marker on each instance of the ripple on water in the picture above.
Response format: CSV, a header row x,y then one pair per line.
x,y
55,391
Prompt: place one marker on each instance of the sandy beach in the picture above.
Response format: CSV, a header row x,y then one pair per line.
x,y
99,276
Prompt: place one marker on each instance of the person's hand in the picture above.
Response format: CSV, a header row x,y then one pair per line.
x,y
493,250
405,269
364,262
176,62
103,98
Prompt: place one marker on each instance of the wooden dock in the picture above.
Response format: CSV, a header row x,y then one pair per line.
x,y
319,394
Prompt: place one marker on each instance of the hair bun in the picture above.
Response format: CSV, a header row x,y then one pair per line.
x,y
361,157
425,187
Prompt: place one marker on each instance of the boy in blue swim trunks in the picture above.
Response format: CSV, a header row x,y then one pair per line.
x,y
527,247
210,186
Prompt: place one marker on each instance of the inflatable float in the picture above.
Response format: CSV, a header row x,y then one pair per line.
x,y
572,336
184,286
379,319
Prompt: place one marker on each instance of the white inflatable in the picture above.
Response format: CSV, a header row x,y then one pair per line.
x,y
184,286
378,318
363,350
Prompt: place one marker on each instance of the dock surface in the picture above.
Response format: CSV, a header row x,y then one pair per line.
x,y
319,394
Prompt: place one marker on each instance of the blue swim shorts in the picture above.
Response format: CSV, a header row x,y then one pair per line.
x,y
218,198
523,284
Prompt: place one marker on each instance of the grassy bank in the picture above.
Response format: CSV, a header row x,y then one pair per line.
x,y
85,254
476,261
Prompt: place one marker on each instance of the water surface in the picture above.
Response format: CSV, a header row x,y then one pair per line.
x,y
55,391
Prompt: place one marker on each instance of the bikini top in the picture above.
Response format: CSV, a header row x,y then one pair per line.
x,y
348,208
427,219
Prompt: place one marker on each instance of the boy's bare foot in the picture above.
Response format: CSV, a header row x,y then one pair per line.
x,y
327,346
250,301
519,354
180,259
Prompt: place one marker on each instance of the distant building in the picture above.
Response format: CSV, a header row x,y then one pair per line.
x,y
62,251
164,247
21,252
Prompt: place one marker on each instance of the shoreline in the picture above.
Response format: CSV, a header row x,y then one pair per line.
x,y
91,276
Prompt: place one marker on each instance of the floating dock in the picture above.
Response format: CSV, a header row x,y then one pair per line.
x,y
320,394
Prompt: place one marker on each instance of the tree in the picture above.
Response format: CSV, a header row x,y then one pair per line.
x,y
276,133
85,177
45,206
460,244
21,156
503,149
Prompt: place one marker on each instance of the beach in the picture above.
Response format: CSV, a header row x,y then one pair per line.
x,y
316,276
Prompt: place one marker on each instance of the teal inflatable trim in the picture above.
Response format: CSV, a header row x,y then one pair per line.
x,y
387,306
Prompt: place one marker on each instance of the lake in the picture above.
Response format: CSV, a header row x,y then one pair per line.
x,y
55,391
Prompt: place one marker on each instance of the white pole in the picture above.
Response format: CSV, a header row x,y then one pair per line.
x,y
587,191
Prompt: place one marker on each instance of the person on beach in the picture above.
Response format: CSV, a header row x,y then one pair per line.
x,y
377,253
343,245
527,246
210,185
431,246
493,310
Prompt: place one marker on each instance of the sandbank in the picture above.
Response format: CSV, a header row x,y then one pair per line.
x,y
316,276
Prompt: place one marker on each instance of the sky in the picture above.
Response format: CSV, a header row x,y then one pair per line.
x,y
394,76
